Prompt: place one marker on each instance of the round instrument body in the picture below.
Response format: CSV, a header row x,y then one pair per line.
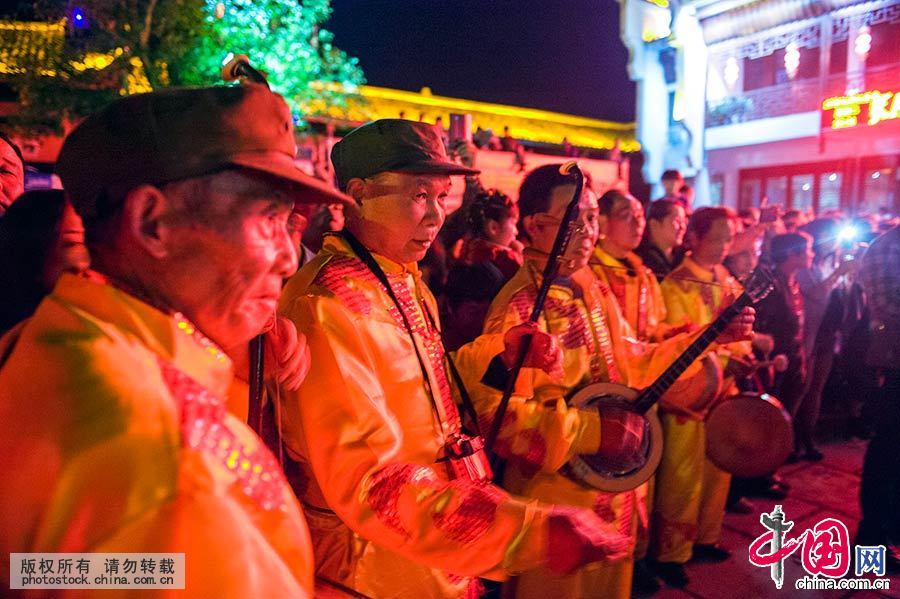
x,y
693,396
749,435
582,471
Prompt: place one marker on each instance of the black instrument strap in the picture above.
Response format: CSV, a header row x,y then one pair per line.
x,y
366,256
457,378
341,588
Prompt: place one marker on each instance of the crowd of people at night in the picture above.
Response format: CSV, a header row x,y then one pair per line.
x,y
206,350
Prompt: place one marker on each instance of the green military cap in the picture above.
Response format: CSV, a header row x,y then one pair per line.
x,y
179,133
392,145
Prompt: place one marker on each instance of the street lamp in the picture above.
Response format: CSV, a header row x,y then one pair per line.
x,y
792,59
863,42
731,72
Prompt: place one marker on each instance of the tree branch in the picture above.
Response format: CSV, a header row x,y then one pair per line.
x,y
148,24
144,51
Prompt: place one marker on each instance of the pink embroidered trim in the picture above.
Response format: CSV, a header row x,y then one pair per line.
x,y
576,333
203,429
523,301
601,331
384,492
336,276
474,514
589,330
434,349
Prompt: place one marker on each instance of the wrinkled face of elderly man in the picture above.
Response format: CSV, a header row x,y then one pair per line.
x,y
12,175
399,214
214,248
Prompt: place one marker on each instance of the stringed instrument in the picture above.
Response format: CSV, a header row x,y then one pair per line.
x,y
614,477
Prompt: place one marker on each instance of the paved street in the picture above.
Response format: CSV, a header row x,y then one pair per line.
x,y
829,488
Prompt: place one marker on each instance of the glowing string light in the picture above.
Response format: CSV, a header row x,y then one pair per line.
x,y
863,42
792,59
732,71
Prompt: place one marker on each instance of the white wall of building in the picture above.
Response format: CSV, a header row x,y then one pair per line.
x,y
727,162
804,124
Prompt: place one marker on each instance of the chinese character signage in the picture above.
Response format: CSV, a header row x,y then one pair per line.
x,y
96,570
866,108
825,553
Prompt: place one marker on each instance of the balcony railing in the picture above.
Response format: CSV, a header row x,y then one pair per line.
x,y
804,95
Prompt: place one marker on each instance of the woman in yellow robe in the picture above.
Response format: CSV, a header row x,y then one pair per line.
x,y
690,491
639,297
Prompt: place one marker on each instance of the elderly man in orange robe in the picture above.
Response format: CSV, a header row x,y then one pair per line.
x,y
393,483
114,432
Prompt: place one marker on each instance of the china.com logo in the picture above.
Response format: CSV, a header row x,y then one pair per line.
x,y
825,554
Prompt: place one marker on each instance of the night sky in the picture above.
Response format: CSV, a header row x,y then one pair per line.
x,y
560,55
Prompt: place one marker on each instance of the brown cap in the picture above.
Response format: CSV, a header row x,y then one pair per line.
x,y
392,145
180,133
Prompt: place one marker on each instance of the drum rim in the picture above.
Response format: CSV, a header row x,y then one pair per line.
x,y
726,465
583,473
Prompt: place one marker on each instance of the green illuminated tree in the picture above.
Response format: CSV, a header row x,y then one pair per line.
x,y
117,47
284,39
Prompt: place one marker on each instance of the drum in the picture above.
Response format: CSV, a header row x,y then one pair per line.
x,y
749,435
600,474
693,396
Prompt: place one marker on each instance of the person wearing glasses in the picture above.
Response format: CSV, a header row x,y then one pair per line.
x,y
541,432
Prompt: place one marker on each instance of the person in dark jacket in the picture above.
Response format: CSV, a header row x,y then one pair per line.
x,y
666,224
781,315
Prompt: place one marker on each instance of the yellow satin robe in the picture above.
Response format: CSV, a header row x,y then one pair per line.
x,y
367,431
641,303
114,437
691,492
637,293
541,433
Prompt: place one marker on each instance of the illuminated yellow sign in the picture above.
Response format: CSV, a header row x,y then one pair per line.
x,y
871,108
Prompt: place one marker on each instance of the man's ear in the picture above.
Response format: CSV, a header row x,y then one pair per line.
x,y
529,226
356,189
142,217
690,240
602,224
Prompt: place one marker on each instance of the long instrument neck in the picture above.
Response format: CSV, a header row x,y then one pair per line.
x,y
652,393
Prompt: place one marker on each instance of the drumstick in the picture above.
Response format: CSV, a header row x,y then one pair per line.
x,y
780,362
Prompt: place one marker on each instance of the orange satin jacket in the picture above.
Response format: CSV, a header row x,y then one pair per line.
x,y
637,293
114,437
368,433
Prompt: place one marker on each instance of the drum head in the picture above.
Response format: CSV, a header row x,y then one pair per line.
x,y
584,472
749,435
581,469
693,396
